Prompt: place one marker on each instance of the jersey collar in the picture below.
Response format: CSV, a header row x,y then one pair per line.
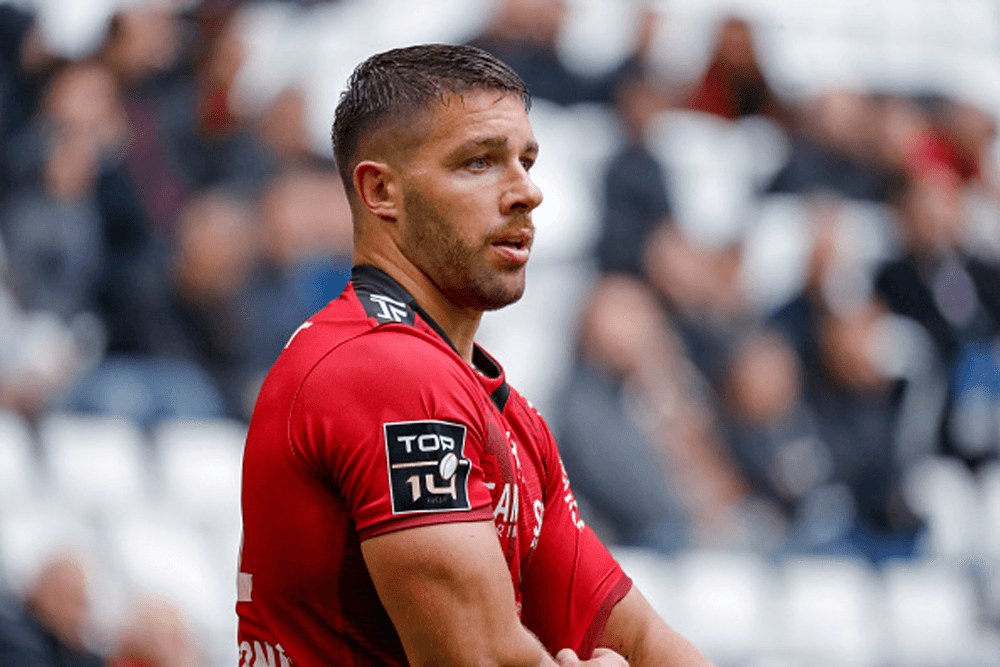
x,y
386,301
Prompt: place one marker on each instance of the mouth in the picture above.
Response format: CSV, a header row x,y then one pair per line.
x,y
515,246
512,243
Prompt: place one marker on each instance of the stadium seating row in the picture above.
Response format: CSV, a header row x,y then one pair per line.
x,y
160,514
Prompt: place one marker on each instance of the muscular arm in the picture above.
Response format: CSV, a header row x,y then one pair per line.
x,y
448,592
637,632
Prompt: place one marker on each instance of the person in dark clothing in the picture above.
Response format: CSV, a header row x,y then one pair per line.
x,y
832,153
956,297
523,33
25,68
852,406
635,187
637,431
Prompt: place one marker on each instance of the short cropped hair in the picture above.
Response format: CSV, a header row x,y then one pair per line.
x,y
398,84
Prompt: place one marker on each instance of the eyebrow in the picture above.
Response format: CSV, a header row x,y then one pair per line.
x,y
490,143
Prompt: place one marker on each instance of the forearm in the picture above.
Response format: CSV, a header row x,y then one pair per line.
x,y
660,646
523,650
447,589
636,631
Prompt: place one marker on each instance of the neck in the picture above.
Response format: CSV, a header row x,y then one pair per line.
x,y
459,324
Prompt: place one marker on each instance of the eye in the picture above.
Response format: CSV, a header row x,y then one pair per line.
x,y
478,163
527,163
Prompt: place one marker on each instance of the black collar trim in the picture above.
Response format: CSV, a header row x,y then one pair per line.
x,y
490,369
387,301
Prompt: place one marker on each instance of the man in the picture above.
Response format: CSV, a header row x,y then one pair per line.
x,y
401,504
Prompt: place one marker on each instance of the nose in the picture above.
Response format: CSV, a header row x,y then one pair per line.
x,y
523,196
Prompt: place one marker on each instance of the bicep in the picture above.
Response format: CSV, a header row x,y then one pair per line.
x,y
449,594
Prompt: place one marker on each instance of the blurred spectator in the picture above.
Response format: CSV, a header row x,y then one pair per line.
x,y
148,48
934,137
734,84
310,246
213,303
636,429
956,298
54,231
80,239
635,186
849,414
964,135
523,33
909,143
208,141
858,407
834,152
25,65
774,436
155,634
49,631
701,289
283,130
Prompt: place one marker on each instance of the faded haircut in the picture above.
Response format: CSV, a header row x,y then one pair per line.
x,y
396,85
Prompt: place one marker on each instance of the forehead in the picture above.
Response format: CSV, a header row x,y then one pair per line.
x,y
474,114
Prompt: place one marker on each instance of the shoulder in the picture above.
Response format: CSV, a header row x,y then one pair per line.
x,y
388,353
394,371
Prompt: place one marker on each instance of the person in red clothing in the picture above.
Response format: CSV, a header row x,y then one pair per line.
x,y
402,505
733,84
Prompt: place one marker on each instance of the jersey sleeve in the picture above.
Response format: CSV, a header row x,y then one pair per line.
x,y
390,422
571,582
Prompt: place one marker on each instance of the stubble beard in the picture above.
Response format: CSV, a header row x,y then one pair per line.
x,y
457,268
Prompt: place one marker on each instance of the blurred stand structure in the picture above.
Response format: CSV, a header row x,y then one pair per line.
x,y
763,313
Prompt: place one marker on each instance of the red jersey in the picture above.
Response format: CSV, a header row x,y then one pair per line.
x,y
371,422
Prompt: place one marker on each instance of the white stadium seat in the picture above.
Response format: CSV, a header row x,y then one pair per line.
x,y
200,466
19,473
727,604
30,535
943,492
828,612
159,555
656,577
96,463
931,611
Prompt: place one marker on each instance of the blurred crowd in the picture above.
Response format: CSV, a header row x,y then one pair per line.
x,y
159,247
52,626
789,428
159,243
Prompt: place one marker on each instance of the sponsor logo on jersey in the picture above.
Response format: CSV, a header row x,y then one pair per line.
x,y
427,469
386,309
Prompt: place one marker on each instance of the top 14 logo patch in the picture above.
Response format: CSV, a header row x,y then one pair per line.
x,y
427,469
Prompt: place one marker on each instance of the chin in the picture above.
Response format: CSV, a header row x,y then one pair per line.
x,y
488,297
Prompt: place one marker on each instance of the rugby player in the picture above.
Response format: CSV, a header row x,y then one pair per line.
x,y
401,503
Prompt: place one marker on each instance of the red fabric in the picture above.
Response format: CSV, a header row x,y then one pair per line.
x,y
130,661
316,483
214,112
930,156
715,93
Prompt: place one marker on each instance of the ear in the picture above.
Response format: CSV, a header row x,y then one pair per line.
x,y
376,185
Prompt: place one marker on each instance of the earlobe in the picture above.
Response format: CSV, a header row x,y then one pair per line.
x,y
375,184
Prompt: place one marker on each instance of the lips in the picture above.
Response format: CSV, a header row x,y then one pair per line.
x,y
514,245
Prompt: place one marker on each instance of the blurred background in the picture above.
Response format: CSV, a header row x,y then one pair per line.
x,y
762,316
